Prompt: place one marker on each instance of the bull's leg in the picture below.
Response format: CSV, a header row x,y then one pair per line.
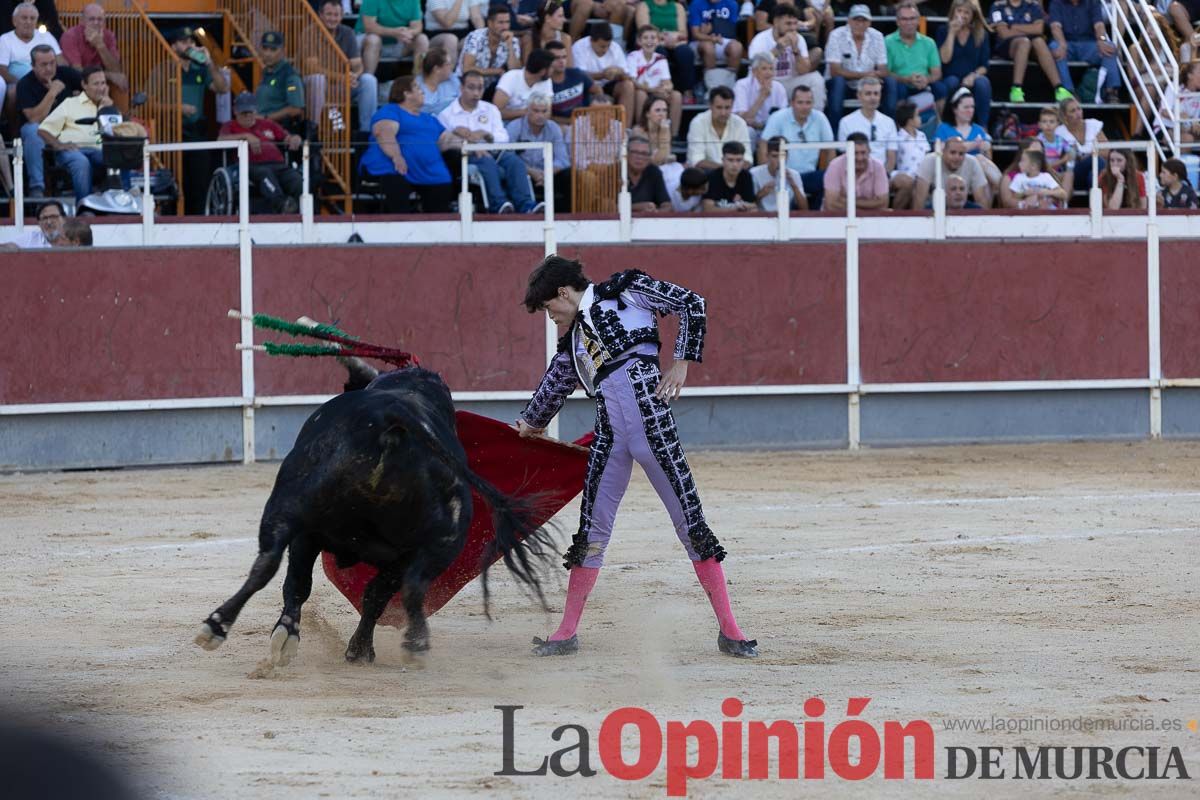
x,y
272,541
416,584
376,597
285,639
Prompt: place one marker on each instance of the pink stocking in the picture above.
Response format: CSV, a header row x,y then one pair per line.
x,y
578,588
712,578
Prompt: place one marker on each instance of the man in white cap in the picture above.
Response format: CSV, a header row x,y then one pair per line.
x,y
853,52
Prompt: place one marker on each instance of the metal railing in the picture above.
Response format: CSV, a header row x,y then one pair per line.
x,y
1145,55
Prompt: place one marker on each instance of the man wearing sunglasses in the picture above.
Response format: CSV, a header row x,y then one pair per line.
x,y
48,233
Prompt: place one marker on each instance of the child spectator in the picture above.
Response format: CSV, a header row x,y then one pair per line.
x,y
1060,158
1007,199
1176,191
1122,182
1034,187
688,196
651,74
911,148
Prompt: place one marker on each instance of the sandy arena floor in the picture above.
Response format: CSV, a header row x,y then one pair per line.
x,y
945,584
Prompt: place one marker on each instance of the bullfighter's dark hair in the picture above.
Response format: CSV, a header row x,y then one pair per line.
x,y
547,277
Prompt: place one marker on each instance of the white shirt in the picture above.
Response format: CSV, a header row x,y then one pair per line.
x,y
681,203
461,22
884,138
513,84
785,62
745,92
840,48
911,151
705,145
761,176
1091,129
484,117
650,74
31,239
1022,183
15,51
587,60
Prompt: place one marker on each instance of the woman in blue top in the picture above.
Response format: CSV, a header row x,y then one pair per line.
x,y
957,124
405,151
965,48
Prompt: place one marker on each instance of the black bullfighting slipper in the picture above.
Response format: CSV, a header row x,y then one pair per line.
x,y
738,648
564,647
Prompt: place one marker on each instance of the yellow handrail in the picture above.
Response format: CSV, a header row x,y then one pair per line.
x,y
596,136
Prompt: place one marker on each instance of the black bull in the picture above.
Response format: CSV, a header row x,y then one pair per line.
x,y
379,476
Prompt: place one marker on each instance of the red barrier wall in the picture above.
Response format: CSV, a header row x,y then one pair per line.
x,y
989,311
1179,284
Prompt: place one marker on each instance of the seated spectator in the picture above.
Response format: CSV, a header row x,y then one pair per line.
x,y
447,21
536,126
364,87
956,194
1122,183
1189,103
1176,191
1080,35
656,127
1020,27
50,219
710,130
1081,136
475,120
689,195
76,146
913,60
853,52
1034,186
277,181
572,87
1183,14
47,15
1060,161
16,50
280,93
766,181
730,187
795,64
956,123
872,123
91,44
390,29
911,148
800,122
651,76
670,17
713,25
648,192
758,95
1006,199
38,93
604,62
405,151
438,82
76,232
965,48
493,50
955,161
516,86
615,12
815,15
870,179
548,27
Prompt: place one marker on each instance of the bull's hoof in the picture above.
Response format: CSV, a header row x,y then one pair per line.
x,y
284,646
208,638
357,654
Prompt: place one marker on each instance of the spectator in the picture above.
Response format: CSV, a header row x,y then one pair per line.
x,y
572,87
438,82
870,179
91,44
648,192
814,14
493,50
801,123
1033,186
616,12
1021,27
871,123
1006,199
278,182
911,149
956,123
652,76
76,146
280,93
758,95
730,187
390,29
405,151
364,87
446,21
689,195
76,232
16,50
1189,103
197,78
795,64
1176,191
47,233
710,130
913,61
1182,14
47,14
1059,158
956,194
1080,35
954,162
670,17
548,27
39,93
853,52
965,47
515,87
766,181
536,126
604,62
475,120
713,24
1122,183
1081,135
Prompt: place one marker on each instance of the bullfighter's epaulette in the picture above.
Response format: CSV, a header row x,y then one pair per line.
x,y
564,342
620,281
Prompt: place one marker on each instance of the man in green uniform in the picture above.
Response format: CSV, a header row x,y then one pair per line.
x,y
280,94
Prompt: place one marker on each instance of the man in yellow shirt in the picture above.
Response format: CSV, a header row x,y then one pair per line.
x,y
76,146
